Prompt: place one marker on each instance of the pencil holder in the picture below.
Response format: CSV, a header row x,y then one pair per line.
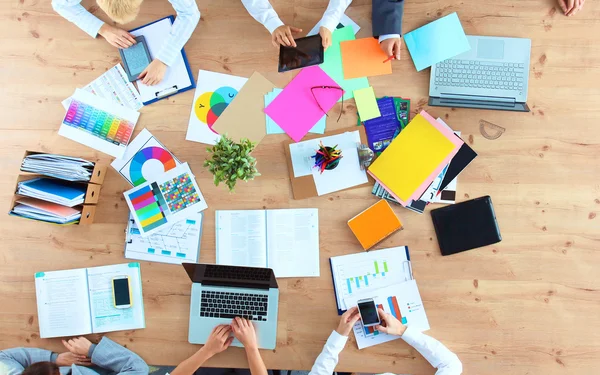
x,y
327,158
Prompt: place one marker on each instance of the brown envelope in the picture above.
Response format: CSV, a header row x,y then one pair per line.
x,y
244,116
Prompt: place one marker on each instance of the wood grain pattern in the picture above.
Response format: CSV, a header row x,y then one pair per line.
x,y
528,305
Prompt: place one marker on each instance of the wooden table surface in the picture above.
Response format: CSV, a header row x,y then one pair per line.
x,y
528,305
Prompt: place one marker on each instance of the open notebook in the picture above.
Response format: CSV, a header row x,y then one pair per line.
x,y
285,240
80,301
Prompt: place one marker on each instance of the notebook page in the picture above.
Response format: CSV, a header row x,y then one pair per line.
x,y
105,316
63,304
293,242
241,238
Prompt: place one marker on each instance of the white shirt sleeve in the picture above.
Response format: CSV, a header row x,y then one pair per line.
x,y
440,357
333,14
328,359
185,23
263,12
388,36
74,12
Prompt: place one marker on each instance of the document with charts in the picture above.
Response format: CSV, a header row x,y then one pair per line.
x,y
285,240
80,301
176,244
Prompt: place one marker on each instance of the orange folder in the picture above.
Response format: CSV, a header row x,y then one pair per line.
x,y
374,224
363,58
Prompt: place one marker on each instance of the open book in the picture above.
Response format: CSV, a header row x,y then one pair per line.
x,y
285,240
80,301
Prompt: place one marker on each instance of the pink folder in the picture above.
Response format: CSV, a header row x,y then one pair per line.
x,y
50,207
295,110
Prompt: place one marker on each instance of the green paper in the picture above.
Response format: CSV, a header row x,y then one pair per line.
x,y
332,63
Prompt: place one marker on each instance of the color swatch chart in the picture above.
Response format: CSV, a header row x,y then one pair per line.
x,y
98,123
147,154
180,192
149,206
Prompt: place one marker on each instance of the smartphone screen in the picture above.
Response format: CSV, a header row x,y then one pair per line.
x,y
368,312
121,290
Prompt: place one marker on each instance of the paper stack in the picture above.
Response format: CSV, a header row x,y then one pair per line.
x,y
58,166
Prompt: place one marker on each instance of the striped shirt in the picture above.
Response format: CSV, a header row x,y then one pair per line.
x,y
187,18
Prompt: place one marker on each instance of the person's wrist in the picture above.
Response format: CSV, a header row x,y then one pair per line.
x,y
206,353
103,29
253,347
340,331
400,330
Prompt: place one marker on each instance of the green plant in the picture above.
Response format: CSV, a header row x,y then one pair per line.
x,y
231,161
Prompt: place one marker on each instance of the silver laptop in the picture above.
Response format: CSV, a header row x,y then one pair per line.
x,y
220,293
494,74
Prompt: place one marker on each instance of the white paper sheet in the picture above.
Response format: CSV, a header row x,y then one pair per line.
x,y
176,77
62,303
114,86
241,238
293,242
344,21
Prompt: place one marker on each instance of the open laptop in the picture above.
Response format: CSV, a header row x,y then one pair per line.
x,y
494,74
220,293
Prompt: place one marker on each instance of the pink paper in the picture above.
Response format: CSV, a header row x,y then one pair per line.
x,y
295,110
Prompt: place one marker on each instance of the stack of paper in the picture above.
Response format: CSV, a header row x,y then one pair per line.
x,y
55,191
58,166
273,128
414,159
36,209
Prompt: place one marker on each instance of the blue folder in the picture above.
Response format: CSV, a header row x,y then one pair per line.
x,y
56,188
437,41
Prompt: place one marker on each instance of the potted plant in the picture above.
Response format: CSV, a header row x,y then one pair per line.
x,y
230,161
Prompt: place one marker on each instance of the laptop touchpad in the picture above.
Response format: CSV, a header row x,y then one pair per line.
x,y
492,49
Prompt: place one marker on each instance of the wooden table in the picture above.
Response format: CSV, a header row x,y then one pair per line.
x,y
528,305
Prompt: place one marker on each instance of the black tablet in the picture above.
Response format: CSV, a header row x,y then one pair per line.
x,y
466,225
136,58
308,51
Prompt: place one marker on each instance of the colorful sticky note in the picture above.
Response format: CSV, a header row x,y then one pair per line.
x,y
304,101
366,103
437,41
273,128
332,63
363,57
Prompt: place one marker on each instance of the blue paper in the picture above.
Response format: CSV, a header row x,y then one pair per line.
x,y
381,130
437,41
56,188
273,128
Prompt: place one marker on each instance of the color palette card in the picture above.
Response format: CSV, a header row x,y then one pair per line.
x,y
171,197
304,101
145,159
363,58
98,123
437,41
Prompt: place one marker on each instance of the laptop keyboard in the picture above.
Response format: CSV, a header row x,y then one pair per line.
x,y
480,74
229,305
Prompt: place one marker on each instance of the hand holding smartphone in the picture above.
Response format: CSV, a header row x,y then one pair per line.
x,y
368,312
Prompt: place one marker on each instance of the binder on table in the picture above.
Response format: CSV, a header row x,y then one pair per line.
x,y
179,77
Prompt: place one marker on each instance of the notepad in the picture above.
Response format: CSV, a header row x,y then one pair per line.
x,y
366,103
437,41
374,224
285,240
415,158
80,301
363,58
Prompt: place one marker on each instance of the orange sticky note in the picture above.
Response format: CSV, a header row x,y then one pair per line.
x,y
363,58
374,224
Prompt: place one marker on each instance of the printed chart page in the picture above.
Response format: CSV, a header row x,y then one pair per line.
x,y
105,316
63,304
358,272
293,242
241,238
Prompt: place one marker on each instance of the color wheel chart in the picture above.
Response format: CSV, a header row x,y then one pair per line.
x,y
145,155
150,206
209,106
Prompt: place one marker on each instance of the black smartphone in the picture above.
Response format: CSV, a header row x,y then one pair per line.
x,y
136,58
121,292
308,51
368,312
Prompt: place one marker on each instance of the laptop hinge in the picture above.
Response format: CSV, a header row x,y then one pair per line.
x,y
235,284
478,98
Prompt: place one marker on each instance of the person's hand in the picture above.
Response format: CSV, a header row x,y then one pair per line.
x,y
78,345
243,330
571,7
116,37
390,324
347,321
283,35
218,340
392,47
154,73
325,37
67,359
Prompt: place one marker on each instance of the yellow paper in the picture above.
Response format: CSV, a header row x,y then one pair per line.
x,y
366,103
411,157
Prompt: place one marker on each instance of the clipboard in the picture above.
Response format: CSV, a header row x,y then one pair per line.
x,y
173,89
304,187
